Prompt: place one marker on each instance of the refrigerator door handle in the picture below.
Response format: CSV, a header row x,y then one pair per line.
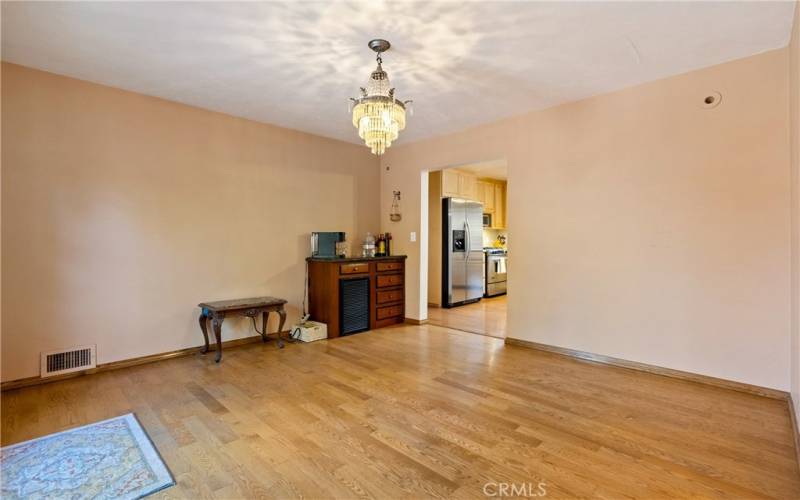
x,y
467,246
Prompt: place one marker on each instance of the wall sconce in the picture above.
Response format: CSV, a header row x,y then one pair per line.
x,y
394,214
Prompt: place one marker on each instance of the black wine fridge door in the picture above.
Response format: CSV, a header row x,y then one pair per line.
x,y
354,305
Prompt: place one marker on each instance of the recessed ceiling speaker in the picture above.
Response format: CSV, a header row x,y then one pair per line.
x,y
712,100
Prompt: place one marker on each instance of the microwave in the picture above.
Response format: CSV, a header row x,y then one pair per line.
x,y
487,220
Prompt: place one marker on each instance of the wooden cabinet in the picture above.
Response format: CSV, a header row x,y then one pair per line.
x,y
450,183
467,186
459,185
385,281
388,296
389,312
486,195
499,217
386,289
357,268
492,193
389,266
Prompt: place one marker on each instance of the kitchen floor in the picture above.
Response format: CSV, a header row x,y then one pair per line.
x,y
486,317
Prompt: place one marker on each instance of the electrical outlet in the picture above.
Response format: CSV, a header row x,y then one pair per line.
x,y
413,236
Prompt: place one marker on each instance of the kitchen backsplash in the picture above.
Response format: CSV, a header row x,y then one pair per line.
x,y
490,235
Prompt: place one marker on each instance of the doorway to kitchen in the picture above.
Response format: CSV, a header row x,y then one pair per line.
x,y
467,247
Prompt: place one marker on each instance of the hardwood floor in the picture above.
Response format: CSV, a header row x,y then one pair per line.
x,y
487,317
425,411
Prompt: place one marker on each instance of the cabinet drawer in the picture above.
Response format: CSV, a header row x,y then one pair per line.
x,y
389,280
389,266
389,296
389,312
356,268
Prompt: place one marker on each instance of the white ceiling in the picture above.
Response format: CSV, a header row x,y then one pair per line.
x,y
296,63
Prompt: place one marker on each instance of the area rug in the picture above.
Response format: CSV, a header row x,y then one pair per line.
x,y
110,459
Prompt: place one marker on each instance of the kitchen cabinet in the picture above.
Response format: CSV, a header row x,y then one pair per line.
x,y
459,185
486,195
492,193
450,183
467,186
499,216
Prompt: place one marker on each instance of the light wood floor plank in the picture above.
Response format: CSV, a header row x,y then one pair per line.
x,y
426,411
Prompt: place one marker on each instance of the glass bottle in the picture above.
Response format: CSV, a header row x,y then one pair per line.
x,y
381,245
369,246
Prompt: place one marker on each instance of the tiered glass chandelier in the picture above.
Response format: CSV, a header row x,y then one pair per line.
x,y
377,115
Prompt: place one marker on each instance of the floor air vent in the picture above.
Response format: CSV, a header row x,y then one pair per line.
x,y
73,360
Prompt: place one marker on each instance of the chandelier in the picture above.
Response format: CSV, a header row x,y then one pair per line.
x,y
377,115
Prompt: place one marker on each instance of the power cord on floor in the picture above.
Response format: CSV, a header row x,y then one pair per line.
x,y
305,289
294,335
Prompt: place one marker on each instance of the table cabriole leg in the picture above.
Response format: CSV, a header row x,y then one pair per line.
x,y
217,323
282,314
204,328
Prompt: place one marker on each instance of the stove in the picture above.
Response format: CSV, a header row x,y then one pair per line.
x,y
496,272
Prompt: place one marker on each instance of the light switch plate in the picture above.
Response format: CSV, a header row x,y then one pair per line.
x,y
413,236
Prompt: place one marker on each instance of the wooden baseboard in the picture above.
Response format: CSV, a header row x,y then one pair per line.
x,y
412,321
116,365
795,430
658,370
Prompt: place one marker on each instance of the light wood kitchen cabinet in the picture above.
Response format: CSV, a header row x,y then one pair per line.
x,y
450,183
459,185
499,216
486,195
467,186
492,193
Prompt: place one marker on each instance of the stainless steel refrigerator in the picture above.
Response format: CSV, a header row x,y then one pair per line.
x,y
462,251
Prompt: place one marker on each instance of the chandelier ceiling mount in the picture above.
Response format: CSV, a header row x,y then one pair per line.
x,y
379,45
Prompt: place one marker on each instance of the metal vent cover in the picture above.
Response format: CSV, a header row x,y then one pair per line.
x,y
353,305
71,360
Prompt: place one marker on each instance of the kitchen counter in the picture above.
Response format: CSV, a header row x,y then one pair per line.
x,y
353,259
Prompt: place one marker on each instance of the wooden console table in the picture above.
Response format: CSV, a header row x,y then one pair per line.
x,y
386,277
216,312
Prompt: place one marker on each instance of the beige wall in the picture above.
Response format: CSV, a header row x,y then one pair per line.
x,y
120,212
644,227
794,130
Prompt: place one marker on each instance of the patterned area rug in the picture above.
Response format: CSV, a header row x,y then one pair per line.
x,y
110,459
